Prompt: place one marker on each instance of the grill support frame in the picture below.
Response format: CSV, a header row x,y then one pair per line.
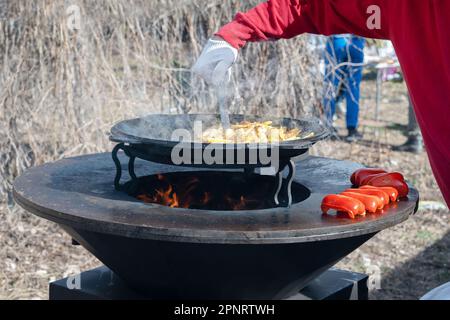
x,y
282,196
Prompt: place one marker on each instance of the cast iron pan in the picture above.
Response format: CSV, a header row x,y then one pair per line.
x,y
152,138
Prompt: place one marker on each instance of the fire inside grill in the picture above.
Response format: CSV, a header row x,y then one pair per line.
x,y
212,190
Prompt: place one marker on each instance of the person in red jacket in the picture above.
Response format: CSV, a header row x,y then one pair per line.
x,y
418,29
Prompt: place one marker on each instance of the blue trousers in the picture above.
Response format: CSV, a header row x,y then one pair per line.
x,y
343,80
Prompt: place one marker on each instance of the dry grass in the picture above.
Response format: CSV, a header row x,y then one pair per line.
x,y
60,91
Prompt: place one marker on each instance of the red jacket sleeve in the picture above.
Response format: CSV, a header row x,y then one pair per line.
x,y
277,19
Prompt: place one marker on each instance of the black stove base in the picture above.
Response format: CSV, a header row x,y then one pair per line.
x,y
101,284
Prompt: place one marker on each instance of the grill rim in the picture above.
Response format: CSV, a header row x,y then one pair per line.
x,y
136,230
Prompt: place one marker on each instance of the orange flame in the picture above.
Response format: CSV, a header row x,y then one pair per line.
x,y
190,196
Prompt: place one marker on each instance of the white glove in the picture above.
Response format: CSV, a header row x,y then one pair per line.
x,y
215,61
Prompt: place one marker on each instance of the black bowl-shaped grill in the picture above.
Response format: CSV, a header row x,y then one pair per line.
x,y
185,253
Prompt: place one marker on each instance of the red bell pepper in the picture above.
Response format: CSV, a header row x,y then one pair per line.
x,y
393,179
391,191
383,196
386,175
351,206
371,203
361,174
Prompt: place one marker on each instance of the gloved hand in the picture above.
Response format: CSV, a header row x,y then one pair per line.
x,y
215,61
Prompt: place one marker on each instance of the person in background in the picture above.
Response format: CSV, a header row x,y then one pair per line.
x,y
414,144
344,56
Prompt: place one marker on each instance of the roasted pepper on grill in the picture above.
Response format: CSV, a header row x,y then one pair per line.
x,y
381,178
361,174
391,191
371,203
376,189
393,179
383,196
351,206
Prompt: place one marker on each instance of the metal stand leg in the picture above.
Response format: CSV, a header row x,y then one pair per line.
x,y
116,160
280,182
121,146
131,168
284,189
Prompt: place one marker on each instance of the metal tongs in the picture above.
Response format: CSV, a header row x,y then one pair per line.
x,y
223,108
223,100
221,88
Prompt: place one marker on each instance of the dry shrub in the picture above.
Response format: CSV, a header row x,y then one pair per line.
x,y
62,88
